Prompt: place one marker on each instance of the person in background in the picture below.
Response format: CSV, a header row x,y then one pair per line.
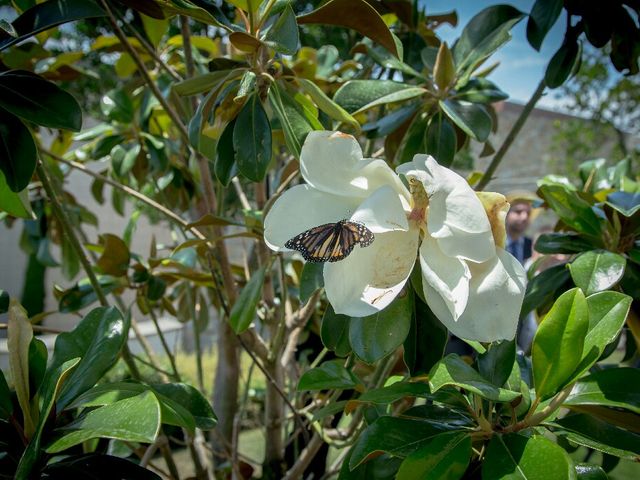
x,y
520,246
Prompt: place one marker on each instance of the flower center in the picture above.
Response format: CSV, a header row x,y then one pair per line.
x,y
419,203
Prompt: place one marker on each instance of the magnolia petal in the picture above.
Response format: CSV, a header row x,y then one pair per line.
x,y
370,278
496,206
332,162
382,211
497,289
447,276
455,214
300,208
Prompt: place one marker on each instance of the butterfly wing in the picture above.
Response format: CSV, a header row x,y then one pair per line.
x,y
330,242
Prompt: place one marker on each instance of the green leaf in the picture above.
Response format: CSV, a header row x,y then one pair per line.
x,y
356,94
441,140
611,387
558,345
472,119
543,287
483,35
444,458
6,406
399,96
398,436
426,341
334,331
572,210
15,204
19,157
244,309
115,256
543,16
515,456
453,371
624,202
97,340
357,15
38,355
295,124
597,270
311,280
55,379
383,467
19,335
135,419
225,167
252,140
117,106
40,101
376,336
49,14
588,471
329,375
497,362
97,466
563,63
283,35
591,432
444,70
327,105
192,400
481,90
201,142
395,392
387,124
204,82
561,243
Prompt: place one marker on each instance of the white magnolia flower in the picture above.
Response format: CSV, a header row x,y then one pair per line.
x,y
473,287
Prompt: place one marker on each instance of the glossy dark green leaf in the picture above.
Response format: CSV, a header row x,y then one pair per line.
x,y
382,467
391,122
295,125
355,94
311,280
454,371
47,15
543,287
97,466
135,419
283,35
597,270
244,309
18,160
117,106
201,142
376,336
38,356
426,341
484,34
472,118
82,294
329,375
252,140
445,457
115,256
558,345
624,202
395,392
327,105
561,243
357,15
497,362
398,436
97,340
441,140
334,332
192,400
40,101
6,406
481,90
572,210
203,83
591,432
588,471
15,204
543,16
515,456
611,387
225,167
607,314
563,63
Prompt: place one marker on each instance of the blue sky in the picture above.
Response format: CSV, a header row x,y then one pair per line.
x,y
521,67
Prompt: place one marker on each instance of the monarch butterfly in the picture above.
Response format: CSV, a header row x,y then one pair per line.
x,y
330,242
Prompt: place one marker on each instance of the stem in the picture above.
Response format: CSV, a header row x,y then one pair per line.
x,y
536,418
145,73
163,340
515,130
186,45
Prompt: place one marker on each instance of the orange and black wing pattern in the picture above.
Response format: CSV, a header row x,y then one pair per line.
x,y
330,242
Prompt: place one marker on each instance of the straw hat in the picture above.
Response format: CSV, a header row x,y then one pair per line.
x,y
525,196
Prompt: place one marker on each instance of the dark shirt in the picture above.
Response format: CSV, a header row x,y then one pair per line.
x,y
520,248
